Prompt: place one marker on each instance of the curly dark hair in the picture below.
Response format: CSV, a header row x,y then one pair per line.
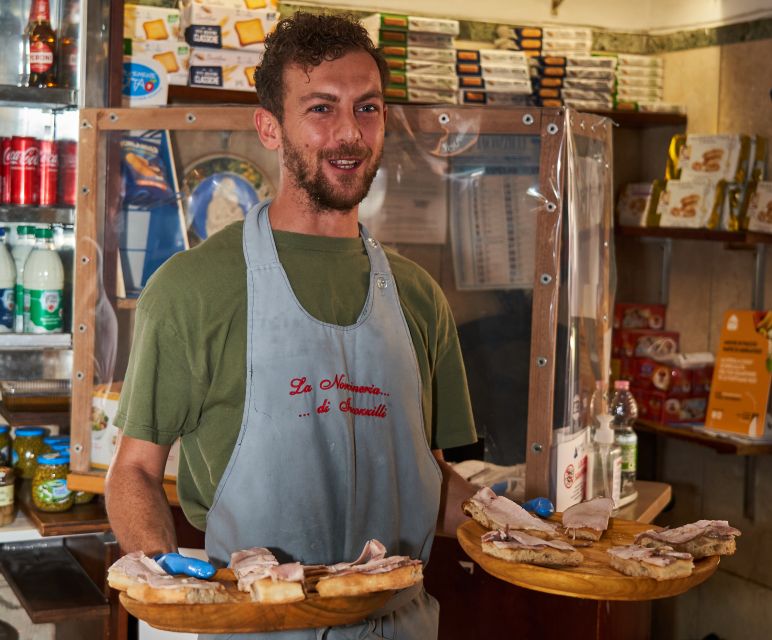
x,y
308,40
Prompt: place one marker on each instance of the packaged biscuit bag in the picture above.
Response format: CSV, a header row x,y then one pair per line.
x,y
720,157
227,25
637,204
760,207
757,159
672,169
734,213
224,68
157,24
693,204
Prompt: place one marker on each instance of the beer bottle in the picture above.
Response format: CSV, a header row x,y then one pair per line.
x,y
68,47
41,60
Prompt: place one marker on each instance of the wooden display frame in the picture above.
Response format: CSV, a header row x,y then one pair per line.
x,y
94,218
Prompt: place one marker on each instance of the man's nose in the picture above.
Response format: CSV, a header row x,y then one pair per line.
x,y
347,127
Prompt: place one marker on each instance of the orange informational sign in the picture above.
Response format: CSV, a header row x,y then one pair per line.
x,y
740,391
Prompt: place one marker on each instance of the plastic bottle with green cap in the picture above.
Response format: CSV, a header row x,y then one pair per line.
x,y
25,240
7,286
43,286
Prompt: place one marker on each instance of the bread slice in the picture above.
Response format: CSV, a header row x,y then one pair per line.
x,y
132,569
517,546
352,584
700,539
270,591
661,563
588,520
178,590
498,513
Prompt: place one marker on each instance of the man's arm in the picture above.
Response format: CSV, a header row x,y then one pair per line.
x,y
454,491
139,513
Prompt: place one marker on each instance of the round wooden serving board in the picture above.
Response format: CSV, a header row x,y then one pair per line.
x,y
594,579
253,617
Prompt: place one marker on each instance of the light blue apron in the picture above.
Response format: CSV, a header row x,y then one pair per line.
x,y
332,450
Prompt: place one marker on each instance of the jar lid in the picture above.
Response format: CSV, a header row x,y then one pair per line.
x,y
4,428
57,439
53,458
30,431
62,447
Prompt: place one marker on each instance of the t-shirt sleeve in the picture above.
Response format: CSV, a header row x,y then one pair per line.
x,y
453,422
161,397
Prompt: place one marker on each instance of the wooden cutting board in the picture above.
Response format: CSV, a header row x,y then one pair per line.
x,y
246,617
594,579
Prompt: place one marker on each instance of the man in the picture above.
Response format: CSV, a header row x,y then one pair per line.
x,y
307,370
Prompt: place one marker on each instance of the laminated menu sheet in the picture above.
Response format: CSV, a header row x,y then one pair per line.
x,y
493,202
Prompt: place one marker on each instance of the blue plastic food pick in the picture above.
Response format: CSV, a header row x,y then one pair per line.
x,y
540,506
176,564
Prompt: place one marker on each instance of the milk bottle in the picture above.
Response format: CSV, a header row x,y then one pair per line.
x,y
7,286
21,250
43,286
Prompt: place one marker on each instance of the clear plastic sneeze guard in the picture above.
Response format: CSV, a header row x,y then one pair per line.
x,y
508,209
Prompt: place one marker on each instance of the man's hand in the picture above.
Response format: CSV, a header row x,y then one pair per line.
x,y
176,564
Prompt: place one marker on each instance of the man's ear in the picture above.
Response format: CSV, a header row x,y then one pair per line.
x,y
268,128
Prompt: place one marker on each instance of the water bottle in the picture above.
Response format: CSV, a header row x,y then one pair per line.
x,y
625,412
7,286
43,286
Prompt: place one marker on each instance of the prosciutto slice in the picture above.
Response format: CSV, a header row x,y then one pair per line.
x,y
659,557
592,514
373,559
520,540
689,532
138,566
258,563
507,513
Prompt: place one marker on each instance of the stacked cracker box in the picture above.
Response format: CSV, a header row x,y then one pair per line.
x,y
421,56
493,76
154,32
639,83
227,39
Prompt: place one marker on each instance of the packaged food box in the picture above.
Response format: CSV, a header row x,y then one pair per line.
x,y
422,67
589,73
720,157
572,47
601,62
658,106
628,343
647,373
426,54
494,56
157,24
104,433
583,94
496,85
760,207
634,315
633,60
589,105
638,82
399,22
638,204
433,25
655,74
173,56
432,96
424,81
493,98
410,38
693,204
589,84
224,69
226,27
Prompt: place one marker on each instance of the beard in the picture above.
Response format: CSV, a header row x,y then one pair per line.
x,y
326,196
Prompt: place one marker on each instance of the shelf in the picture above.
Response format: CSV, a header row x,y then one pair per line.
x,y
20,529
26,418
31,341
82,518
49,582
191,95
698,434
38,98
643,119
126,303
652,498
732,237
94,482
43,215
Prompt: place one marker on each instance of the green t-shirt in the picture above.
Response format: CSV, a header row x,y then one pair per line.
x,y
186,373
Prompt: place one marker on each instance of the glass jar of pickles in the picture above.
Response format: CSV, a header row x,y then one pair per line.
x,y
6,496
5,445
56,443
49,484
27,446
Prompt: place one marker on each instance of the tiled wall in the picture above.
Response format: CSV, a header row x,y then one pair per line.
x,y
726,89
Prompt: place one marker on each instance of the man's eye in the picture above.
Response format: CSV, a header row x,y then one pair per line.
x,y
319,108
369,108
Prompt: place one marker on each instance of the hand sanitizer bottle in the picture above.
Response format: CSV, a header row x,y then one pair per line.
x,y
604,471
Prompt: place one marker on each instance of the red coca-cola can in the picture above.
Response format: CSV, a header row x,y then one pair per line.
x,y
5,170
68,172
25,161
48,173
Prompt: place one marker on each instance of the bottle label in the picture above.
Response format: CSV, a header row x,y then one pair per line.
x,y
6,495
53,491
616,482
7,308
5,456
629,457
41,57
45,310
